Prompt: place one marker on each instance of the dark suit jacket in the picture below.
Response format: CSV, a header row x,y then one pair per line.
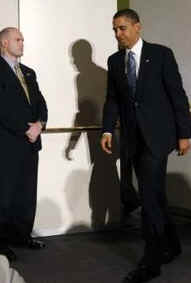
x,y
15,110
160,107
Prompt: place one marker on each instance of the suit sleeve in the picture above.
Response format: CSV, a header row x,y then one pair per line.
x,y
110,110
177,95
41,105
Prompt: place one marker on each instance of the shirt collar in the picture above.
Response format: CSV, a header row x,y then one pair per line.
x,y
9,61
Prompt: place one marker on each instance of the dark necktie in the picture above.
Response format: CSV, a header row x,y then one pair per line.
x,y
131,72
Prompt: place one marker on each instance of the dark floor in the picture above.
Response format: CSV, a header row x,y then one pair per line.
x,y
98,258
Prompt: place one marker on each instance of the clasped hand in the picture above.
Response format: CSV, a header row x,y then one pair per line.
x,y
34,131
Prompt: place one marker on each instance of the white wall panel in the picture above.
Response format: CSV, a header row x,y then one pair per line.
x,y
79,194
8,13
68,43
51,29
63,186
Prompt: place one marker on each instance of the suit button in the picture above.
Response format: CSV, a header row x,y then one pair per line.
x,y
136,104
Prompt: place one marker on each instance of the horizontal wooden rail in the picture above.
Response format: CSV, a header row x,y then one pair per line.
x,y
72,129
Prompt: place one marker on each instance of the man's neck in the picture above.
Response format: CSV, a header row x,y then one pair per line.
x,y
9,58
133,44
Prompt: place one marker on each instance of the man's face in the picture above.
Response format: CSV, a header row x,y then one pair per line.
x,y
13,44
126,31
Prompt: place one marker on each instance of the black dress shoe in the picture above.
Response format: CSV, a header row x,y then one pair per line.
x,y
35,244
126,212
170,255
166,257
128,208
173,246
6,251
142,274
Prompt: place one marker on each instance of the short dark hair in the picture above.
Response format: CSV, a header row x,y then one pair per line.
x,y
128,13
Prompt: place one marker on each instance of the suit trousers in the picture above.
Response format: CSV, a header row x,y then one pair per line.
x,y
128,194
18,190
151,177
158,229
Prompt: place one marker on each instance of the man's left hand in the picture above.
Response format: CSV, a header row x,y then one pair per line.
x,y
34,131
183,146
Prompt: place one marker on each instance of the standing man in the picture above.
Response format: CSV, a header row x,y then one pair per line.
x,y
23,115
145,90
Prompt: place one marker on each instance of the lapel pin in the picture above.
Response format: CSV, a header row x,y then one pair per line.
x,y
147,60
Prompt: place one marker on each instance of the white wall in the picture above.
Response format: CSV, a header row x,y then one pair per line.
x,y
8,13
168,22
67,43
74,195
53,30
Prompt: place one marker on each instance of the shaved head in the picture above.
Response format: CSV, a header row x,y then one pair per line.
x,y
4,33
11,42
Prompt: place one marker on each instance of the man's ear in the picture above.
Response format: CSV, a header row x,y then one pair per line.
x,y
138,27
4,43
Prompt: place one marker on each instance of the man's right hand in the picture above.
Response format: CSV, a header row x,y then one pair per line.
x,y
106,142
34,131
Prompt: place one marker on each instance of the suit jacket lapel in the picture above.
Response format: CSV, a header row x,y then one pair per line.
x,y
13,77
9,71
121,64
143,69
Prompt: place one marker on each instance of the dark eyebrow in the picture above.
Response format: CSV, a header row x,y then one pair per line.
x,y
120,27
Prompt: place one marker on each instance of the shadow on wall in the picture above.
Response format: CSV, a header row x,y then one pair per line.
x,y
178,191
48,210
90,84
75,190
104,194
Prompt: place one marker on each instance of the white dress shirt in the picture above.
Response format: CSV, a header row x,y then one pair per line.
x,y
137,50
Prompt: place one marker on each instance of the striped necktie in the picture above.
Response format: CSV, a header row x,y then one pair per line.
x,y
131,72
22,80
